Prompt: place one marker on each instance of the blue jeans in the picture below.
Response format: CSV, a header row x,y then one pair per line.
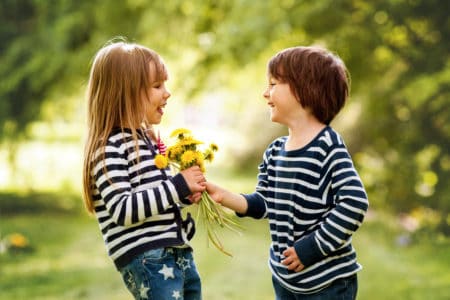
x,y
164,273
340,289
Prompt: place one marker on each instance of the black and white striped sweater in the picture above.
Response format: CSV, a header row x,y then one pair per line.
x,y
136,204
315,201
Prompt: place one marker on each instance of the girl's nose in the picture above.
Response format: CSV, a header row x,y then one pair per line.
x,y
266,93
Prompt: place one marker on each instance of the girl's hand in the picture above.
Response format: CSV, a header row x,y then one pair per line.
x,y
292,261
194,178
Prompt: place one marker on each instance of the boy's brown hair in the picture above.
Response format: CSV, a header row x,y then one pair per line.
x,y
318,78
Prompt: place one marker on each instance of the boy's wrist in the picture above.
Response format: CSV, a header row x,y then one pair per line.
x,y
308,251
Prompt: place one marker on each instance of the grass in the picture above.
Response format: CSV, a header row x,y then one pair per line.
x,y
419,270
67,259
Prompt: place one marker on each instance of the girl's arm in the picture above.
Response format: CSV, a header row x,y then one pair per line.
x,y
129,206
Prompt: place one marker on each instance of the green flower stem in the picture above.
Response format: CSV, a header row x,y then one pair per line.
x,y
212,214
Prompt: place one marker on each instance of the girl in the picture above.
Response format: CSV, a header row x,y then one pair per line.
x,y
307,186
136,204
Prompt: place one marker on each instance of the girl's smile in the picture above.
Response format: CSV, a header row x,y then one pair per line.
x,y
161,108
157,101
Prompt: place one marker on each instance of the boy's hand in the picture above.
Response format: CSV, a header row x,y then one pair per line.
x,y
214,191
226,198
195,197
292,261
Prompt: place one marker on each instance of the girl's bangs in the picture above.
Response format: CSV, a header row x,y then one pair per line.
x,y
158,71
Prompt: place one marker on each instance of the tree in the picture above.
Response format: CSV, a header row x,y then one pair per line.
x,y
46,46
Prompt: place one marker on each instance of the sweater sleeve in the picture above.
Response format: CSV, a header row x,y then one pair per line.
x,y
256,206
256,203
350,204
128,206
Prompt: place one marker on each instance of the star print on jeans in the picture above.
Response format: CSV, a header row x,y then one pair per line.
x,y
143,291
183,263
167,272
176,295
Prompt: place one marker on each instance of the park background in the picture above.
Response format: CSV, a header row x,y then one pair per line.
x,y
396,125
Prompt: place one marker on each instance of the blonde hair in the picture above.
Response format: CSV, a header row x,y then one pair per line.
x,y
120,75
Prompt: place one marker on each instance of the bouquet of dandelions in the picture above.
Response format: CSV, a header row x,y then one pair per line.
x,y
183,154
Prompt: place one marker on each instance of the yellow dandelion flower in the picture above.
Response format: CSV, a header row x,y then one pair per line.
x,y
209,155
214,147
189,144
174,151
190,141
180,132
185,153
161,161
187,157
17,240
199,158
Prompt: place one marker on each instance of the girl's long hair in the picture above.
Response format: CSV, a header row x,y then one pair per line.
x,y
118,92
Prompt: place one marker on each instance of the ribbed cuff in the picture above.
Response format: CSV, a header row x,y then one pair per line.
x,y
256,208
308,251
181,187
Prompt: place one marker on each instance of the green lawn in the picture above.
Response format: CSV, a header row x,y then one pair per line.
x,y
69,262
68,259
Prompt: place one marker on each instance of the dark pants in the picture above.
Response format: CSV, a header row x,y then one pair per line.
x,y
340,289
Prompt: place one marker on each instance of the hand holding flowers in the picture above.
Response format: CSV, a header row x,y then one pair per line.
x,y
183,155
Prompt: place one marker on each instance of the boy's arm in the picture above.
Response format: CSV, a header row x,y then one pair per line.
x,y
228,199
251,205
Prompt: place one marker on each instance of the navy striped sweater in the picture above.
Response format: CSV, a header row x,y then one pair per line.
x,y
314,200
136,204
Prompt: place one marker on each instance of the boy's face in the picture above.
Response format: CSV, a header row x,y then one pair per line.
x,y
284,106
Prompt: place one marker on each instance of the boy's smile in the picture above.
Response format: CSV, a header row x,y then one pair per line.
x,y
283,104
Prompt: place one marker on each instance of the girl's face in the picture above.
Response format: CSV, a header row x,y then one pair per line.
x,y
156,102
284,106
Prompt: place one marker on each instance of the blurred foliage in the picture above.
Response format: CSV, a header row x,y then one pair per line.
x,y
39,203
397,53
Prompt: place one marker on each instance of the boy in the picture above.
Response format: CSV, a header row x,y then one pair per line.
x,y
307,186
